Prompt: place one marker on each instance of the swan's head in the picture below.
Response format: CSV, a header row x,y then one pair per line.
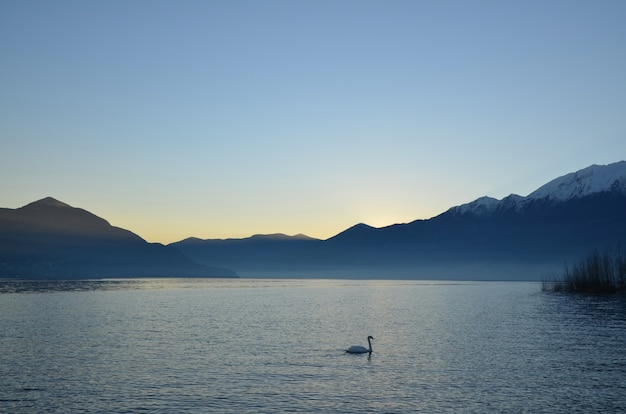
x,y
370,337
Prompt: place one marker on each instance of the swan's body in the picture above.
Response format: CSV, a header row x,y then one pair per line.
x,y
358,349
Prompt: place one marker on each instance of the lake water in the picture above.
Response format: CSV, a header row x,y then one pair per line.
x,y
264,346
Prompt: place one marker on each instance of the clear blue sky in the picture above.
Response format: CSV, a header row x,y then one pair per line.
x,y
226,119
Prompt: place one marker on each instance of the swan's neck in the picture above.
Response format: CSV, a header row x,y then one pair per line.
x,y
369,341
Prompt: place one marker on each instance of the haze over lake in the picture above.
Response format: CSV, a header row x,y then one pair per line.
x,y
218,345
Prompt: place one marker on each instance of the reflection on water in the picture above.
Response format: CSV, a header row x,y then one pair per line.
x,y
49,286
232,345
87,285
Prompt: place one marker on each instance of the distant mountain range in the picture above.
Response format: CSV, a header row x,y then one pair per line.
x,y
49,239
523,238
516,238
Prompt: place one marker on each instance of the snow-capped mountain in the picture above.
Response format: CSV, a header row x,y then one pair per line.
x,y
479,207
591,180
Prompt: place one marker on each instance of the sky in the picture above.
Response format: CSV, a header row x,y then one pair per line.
x,y
224,119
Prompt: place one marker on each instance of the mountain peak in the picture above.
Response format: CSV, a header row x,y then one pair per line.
x,y
354,232
480,206
590,180
47,202
280,237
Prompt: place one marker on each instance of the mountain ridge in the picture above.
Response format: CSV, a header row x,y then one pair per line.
x,y
587,181
590,180
513,238
49,239
537,232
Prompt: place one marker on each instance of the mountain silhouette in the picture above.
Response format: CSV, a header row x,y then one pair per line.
x,y
49,239
517,237
521,238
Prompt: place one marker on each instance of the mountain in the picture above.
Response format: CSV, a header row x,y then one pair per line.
x,y
589,181
513,238
259,253
49,239
516,237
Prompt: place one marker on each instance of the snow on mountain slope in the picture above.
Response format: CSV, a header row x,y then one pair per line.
x,y
590,180
480,206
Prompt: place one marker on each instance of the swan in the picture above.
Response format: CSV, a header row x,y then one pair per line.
x,y
358,349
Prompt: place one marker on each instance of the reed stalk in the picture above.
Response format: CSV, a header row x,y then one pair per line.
x,y
597,273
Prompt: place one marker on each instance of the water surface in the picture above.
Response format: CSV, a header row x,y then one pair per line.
x,y
213,345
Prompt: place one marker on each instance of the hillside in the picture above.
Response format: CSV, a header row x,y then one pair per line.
x,y
49,239
513,238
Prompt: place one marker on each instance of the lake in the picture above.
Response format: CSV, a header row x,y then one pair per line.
x,y
265,346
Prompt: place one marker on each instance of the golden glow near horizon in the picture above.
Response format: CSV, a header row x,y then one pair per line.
x,y
175,223
172,230
165,220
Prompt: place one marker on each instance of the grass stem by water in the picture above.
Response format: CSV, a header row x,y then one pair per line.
x,y
596,273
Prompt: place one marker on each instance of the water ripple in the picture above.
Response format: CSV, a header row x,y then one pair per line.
x,y
246,346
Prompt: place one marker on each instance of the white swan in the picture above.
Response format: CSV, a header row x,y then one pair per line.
x,y
358,349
